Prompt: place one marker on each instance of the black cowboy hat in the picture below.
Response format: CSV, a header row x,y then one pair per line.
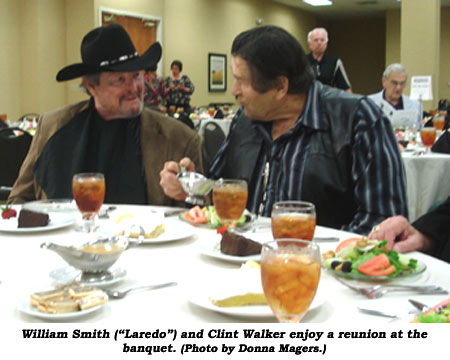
x,y
109,48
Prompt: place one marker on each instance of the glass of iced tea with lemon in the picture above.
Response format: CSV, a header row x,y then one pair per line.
x,y
294,220
230,199
88,192
290,274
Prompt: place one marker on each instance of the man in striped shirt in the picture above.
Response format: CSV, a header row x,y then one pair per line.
x,y
297,139
329,68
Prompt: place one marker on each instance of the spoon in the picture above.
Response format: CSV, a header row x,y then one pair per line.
x,y
115,294
103,214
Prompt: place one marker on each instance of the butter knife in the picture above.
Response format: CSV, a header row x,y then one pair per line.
x,y
377,312
418,305
174,212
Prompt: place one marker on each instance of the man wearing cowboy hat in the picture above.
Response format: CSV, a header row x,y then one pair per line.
x,y
112,133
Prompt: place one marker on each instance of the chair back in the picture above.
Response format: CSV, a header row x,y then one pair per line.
x,y
13,149
213,137
186,120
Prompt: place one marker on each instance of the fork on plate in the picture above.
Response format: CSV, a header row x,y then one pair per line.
x,y
377,291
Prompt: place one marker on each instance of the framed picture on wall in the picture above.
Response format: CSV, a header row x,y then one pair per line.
x,y
217,72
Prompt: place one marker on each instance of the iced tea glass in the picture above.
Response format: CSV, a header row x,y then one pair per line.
x,y
428,136
89,192
290,274
294,220
230,199
439,122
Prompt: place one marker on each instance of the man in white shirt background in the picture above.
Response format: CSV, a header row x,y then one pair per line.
x,y
391,98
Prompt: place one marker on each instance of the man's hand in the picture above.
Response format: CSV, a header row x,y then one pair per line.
x,y
398,228
169,182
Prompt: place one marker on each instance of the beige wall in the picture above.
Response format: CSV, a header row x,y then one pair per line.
x,y
444,71
362,51
393,46
10,68
393,43
209,26
42,36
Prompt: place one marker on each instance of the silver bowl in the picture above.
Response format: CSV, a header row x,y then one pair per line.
x,y
196,185
92,257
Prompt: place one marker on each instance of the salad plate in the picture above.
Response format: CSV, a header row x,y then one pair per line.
x,y
210,246
213,221
421,267
57,221
364,259
25,307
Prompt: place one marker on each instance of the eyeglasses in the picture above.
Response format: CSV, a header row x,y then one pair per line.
x,y
317,69
397,83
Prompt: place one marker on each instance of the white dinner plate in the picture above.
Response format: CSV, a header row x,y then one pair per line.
x,y
68,274
211,247
57,221
52,205
174,230
203,299
25,307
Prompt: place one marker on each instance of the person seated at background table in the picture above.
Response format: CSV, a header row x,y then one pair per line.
x,y
112,132
328,68
430,233
178,88
394,81
297,139
154,88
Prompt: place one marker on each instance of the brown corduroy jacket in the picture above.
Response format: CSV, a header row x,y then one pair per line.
x,y
162,139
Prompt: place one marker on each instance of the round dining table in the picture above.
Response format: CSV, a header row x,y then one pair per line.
x,y
427,180
189,256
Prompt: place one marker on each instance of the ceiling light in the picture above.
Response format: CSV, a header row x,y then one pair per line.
x,y
318,2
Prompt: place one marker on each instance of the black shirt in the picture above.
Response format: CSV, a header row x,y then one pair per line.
x,y
330,71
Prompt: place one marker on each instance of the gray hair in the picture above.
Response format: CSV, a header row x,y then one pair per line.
x,y
318,28
91,78
396,67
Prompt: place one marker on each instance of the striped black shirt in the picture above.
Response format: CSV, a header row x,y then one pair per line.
x,y
377,170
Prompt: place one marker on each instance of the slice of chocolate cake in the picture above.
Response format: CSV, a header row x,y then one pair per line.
x,y
237,245
29,218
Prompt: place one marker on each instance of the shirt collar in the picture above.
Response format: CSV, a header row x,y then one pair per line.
x,y
399,105
312,114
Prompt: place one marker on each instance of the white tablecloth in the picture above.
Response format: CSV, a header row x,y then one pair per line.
x,y
25,267
428,181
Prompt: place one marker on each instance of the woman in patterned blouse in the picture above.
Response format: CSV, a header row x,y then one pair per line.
x,y
154,88
178,88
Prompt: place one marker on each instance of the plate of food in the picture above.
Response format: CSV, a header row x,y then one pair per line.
x,y
64,302
370,260
234,247
172,231
239,293
439,313
153,228
207,217
26,221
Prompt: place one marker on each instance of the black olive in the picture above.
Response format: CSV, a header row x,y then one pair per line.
x,y
347,266
335,263
248,218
